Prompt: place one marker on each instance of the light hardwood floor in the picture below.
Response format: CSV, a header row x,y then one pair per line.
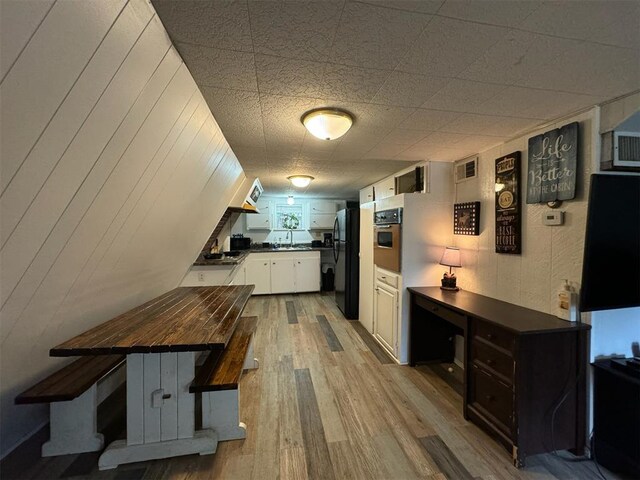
x,y
325,403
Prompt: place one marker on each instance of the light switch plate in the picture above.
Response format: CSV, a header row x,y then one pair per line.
x,y
553,218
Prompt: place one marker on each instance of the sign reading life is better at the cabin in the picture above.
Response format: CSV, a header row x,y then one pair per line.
x,y
553,158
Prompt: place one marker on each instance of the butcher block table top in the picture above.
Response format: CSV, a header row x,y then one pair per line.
x,y
186,319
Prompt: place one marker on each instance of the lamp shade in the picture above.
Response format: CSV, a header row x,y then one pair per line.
x,y
451,257
327,123
300,181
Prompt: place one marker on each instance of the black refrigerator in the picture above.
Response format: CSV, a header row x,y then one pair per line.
x,y
346,253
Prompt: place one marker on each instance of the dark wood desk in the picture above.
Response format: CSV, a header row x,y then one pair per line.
x,y
160,339
519,364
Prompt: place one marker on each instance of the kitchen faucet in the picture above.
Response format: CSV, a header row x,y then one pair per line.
x,y
290,232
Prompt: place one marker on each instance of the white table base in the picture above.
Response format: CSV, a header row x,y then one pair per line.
x,y
160,411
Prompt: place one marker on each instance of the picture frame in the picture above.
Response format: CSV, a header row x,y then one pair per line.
x,y
466,218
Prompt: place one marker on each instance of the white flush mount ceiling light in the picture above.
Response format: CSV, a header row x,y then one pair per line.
x,y
300,181
290,200
327,123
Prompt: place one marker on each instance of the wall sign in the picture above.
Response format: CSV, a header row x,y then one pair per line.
x,y
508,238
553,157
466,218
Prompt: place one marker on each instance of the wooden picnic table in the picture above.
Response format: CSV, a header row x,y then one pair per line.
x,y
160,339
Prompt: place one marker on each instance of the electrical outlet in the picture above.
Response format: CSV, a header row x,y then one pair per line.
x,y
201,276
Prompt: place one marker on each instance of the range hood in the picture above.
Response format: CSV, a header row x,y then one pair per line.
x,y
246,198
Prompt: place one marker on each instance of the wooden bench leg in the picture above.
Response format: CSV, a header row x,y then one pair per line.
x,y
74,426
221,413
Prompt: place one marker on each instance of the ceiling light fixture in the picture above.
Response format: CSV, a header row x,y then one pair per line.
x,y
300,181
290,200
327,123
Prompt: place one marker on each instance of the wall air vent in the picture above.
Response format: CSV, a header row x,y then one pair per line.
x,y
620,151
466,169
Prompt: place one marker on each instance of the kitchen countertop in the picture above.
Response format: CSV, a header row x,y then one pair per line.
x,y
244,253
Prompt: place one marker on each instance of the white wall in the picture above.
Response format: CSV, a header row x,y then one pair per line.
x,y
549,254
114,173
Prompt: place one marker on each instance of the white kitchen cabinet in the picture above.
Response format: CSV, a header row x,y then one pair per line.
x,y
239,276
366,195
385,188
385,323
322,221
258,221
322,214
283,278
367,268
307,274
257,271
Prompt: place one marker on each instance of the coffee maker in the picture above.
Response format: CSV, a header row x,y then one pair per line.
x,y
328,239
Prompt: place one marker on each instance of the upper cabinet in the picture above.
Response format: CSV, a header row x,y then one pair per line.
x,y
384,188
262,220
322,214
366,195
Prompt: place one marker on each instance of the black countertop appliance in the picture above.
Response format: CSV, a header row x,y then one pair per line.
x,y
240,242
346,250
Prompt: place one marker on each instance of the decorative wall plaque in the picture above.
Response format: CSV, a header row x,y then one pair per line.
x,y
553,158
466,218
508,239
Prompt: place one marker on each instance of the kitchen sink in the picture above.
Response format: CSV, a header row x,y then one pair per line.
x,y
293,248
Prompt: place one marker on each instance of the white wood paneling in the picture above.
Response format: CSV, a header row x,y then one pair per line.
x,y
45,72
113,175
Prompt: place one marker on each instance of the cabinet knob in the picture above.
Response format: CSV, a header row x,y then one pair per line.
x,y
298,263
266,264
489,336
489,361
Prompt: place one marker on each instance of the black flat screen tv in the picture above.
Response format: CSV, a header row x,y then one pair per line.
x,y
611,265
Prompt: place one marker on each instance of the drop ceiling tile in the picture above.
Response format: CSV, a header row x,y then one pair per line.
x,y
351,84
294,29
291,77
448,46
463,95
610,22
474,124
428,120
373,36
281,115
443,139
433,152
237,112
402,136
538,61
494,12
212,67
219,23
409,89
384,151
421,6
533,103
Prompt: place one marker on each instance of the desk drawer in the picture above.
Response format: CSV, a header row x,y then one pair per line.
x,y
494,335
485,356
493,397
454,317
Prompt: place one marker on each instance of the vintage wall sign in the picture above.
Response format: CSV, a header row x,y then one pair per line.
x,y
508,238
466,218
553,158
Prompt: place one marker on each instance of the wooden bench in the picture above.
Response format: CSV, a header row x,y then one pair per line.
x,y
218,382
72,393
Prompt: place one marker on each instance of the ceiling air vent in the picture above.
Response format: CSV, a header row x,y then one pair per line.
x,y
465,169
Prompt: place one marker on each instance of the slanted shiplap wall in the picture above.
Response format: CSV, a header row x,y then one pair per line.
x,y
113,174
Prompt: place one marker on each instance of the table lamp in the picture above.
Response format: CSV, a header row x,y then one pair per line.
x,y
450,258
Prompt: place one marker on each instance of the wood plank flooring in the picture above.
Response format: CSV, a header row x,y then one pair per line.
x,y
317,411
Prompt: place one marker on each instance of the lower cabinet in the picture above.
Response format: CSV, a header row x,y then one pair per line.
x,y
282,274
385,322
258,272
291,272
